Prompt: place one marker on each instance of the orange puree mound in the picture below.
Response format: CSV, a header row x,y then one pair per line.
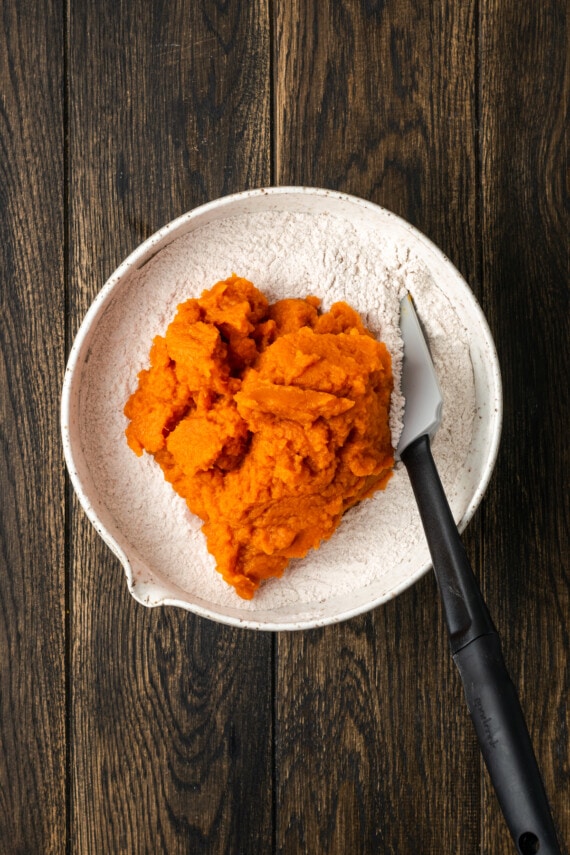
x,y
270,420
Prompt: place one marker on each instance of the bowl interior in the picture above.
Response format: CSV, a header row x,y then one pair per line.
x,y
135,511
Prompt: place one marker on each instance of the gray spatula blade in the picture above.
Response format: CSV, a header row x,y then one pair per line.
x,y
423,400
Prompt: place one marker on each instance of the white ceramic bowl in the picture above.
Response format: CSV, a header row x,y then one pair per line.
x,y
379,550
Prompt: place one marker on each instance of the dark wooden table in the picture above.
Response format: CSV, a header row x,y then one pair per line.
x,y
126,730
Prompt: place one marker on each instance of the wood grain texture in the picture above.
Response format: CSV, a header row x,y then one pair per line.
x,y
374,747
365,711
378,99
171,726
130,730
32,352
525,88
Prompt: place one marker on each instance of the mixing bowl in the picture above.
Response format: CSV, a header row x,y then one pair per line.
x,y
289,241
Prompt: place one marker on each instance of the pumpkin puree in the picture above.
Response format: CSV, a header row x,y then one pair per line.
x,y
269,420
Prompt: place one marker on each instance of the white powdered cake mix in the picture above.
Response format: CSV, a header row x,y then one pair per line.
x,y
284,254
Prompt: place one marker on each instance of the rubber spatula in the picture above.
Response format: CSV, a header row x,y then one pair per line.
x,y
475,646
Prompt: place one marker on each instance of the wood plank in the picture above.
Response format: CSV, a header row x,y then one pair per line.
x,y
172,714
370,737
374,747
525,89
32,487
383,106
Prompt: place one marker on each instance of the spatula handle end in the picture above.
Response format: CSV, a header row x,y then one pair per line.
x,y
506,746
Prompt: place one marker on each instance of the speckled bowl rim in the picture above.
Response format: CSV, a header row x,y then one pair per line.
x,y
157,594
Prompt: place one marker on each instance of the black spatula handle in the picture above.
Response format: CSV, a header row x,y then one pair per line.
x,y
491,696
